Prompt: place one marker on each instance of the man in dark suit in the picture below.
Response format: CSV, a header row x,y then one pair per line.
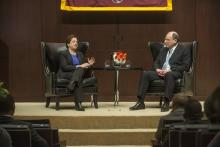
x,y
72,66
169,65
7,108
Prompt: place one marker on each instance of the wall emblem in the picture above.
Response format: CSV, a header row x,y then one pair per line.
x,y
117,1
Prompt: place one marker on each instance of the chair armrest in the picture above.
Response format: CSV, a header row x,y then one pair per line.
x,y
89,73
188,78
92,73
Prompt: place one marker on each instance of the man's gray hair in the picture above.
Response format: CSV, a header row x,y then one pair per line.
x,y
175,35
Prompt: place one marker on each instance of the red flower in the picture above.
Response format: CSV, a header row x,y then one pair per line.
x,y
119,57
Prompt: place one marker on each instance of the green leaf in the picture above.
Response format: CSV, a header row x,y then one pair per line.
x,y
2,89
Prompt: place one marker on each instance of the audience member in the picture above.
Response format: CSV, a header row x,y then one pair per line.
x,y
212,106
193,112
7,108
192,115
176,114
5,139
212,111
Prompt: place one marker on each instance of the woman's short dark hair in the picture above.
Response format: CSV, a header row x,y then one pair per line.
x,y
180,101
212,106
69,38
193,110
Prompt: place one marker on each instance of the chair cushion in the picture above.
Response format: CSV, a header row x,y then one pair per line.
x,y
62,91
157,86
62,82
86,90
160,83
90,89
85,83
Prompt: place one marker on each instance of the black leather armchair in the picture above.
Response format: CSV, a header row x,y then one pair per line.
x,y
184,86
55,87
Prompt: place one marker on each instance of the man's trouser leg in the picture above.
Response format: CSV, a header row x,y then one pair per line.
x,y
144,82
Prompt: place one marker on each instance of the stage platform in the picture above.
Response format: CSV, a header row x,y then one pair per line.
x,y
105,109
108,125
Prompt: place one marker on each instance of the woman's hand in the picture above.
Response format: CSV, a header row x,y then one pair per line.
x,y
85,65
91,60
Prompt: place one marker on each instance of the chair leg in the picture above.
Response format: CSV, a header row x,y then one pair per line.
x,y
47,101
57,103
95,97
161,100
92,100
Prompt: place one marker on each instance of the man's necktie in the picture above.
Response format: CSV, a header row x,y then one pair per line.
x,y
166,65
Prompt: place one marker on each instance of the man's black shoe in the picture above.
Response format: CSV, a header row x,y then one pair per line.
x,y
165,107
79,107
131,108
138,106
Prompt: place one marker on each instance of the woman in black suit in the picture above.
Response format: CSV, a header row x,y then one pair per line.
x,y
72,66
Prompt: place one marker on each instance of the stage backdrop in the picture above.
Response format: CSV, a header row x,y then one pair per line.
x,y
24,24
116,5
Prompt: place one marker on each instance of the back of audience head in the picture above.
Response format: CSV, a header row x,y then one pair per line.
x,y
179,102
193,110
212,106
7,104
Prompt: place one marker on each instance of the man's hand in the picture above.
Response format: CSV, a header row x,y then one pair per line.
x,y
165,72
161,72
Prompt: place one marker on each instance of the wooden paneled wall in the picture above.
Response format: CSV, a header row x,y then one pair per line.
x,y
24,23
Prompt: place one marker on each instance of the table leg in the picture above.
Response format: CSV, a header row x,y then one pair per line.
x,y
116,101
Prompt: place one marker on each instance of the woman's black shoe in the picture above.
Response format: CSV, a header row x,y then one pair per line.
x,y
79,107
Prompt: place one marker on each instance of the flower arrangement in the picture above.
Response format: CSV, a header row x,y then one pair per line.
x,y
119,58
3,91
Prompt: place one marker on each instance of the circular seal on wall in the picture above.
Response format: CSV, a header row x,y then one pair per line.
x,y
117,1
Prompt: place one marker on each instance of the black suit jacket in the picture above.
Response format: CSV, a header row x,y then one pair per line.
x,y
66,67
5,139
180,60
36,139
